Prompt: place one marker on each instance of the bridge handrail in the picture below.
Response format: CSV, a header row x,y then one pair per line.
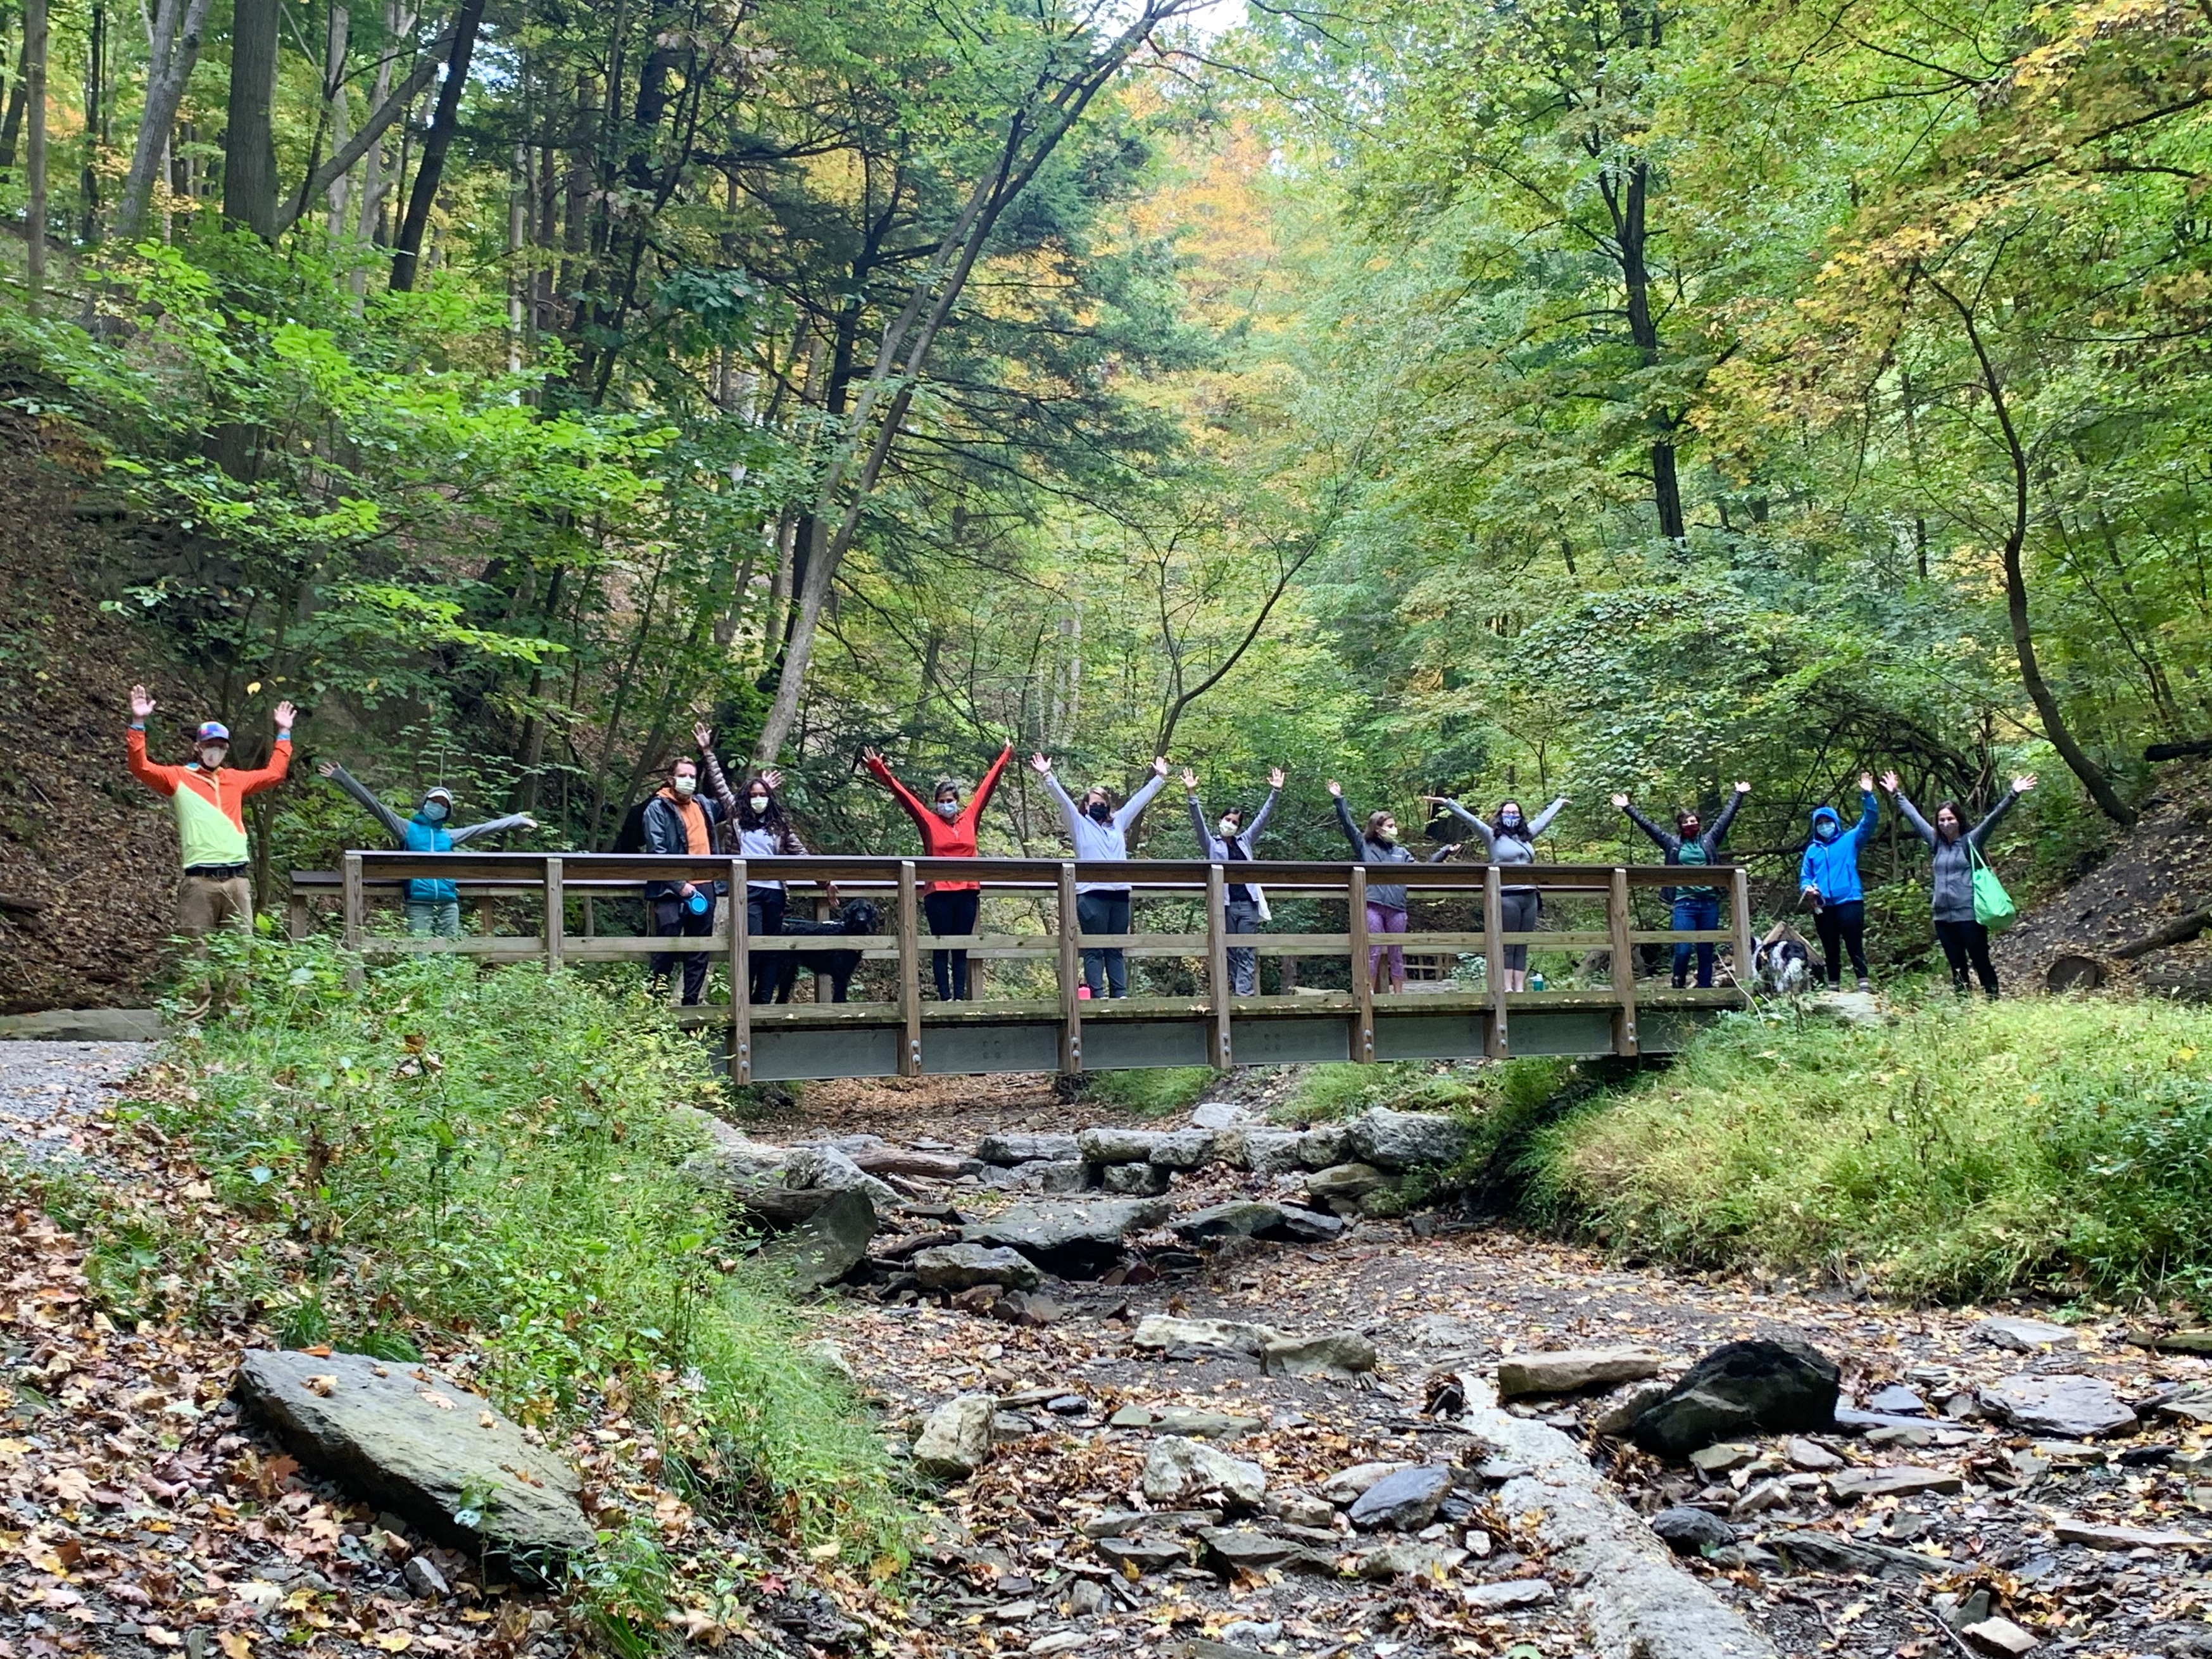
x,y
555,878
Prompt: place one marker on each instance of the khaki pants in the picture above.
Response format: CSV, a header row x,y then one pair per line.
x,y
204,904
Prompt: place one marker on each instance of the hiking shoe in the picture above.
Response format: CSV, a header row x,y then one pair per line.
x,y
1865,984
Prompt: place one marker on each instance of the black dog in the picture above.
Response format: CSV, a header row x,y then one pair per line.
x,y
853,916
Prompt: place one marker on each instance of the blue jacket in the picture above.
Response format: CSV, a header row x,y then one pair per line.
x,y
1831,868
420,835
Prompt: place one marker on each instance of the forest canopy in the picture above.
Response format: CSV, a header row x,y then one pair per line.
x,y
1468,398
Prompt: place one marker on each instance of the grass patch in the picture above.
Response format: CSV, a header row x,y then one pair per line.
x,y
1161,1092
445,1156
1966,1150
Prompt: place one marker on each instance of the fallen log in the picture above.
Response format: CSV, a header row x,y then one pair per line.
x,y
2166,751
903,1161
18,904
2179,930
778,1207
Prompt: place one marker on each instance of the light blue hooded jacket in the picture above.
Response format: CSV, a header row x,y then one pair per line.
x,y
1831,867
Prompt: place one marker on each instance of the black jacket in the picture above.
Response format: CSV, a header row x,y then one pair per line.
x,y
1708,839
663,835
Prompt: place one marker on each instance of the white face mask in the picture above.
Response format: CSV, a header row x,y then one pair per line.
x,y
685,785
948,810
1229,828
758,803
214,756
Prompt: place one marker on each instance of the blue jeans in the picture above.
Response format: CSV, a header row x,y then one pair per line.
x,y
1696,913
440,916
1103,912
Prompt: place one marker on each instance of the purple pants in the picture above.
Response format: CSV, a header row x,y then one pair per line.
x,y
1383,918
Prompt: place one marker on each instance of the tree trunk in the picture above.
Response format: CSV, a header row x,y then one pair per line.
x,y
95,75
174,49
361,143
34,150
249,147
2023,635
11,129
1643,329
334,89
407,255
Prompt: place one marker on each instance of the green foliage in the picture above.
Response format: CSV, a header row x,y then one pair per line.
x,y
498,1157
1968,1149
1160,1092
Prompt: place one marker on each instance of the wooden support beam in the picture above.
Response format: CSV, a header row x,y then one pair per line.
x,y
296,919
556,913
1363,982
1493,961
1624,966
1217,961
741,990
909,971
1739,920
1070,965
353,901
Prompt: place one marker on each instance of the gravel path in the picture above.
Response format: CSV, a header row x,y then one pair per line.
x,y
48,1090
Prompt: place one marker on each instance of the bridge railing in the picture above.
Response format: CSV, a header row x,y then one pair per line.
x,y
557,885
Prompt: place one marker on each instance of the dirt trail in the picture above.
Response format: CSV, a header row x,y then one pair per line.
x,y
1438,1298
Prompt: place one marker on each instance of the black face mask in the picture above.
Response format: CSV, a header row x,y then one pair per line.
x,y
1100,812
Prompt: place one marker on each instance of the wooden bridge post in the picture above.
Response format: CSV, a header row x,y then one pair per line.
x,y
295,917
1739,919
1071,1007
556,913
1217,960
1363,982
1493,960
1624,965
910,968
741,990
355,899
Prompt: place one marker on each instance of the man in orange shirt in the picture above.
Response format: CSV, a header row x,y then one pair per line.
x,y
206,796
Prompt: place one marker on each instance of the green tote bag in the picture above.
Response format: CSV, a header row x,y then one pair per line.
x,y
1993,906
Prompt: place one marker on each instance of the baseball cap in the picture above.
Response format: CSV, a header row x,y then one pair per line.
x,y
211,731
439,793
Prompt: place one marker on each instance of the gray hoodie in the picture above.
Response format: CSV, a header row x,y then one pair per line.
x,y
1500,847
1952,867
1214,850
1389,895
1096,842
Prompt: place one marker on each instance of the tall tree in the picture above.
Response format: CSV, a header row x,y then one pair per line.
x,y
249,145
407,252
171,54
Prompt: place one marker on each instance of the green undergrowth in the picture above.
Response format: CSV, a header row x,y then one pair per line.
x,y
1159,1091
1963,1150
492,1160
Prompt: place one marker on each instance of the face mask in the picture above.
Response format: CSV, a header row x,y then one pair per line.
x,y
214,756
1230,829
686,786
437,810
1511,820
758,803
1388,836
1100,812
1827,831
948,810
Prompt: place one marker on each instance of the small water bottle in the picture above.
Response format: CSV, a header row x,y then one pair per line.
x,y
1536,982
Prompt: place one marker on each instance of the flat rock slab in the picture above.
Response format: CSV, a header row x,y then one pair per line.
x,y
1164,1331
2022,1335
1178,1467
1246,1549
2070,1406
1406,1141
1507,1593
961,1266
1407,1500
1569,1370
1144,1554
1687,1530
1080,1237
2092,1536
1346,1486
829,1244
407,1440
1190,1420
2000,1637
83,1025
1342,1354
1827,1552
1014,1147
1893,1480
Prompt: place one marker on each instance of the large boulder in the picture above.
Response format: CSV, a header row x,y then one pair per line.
x,y
827,1169
1049,1176
1339,1354
956,1438
1776,1385
1165,1332
1109,1142
1016,1146
959,1266
1570,1371
1241,1217
1406,1141
1136,1179
2022,1335
1076,1237
1183,1149
829,1244
1177,1469
1344,1188
2064,1407
732,1160
1324,1145
402,1437
1260,1150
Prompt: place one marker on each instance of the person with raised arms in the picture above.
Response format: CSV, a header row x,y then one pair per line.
x,y
433,906
1510,838
948,831
1101,836
207,797
1377,843
1955,850
1828,879
1231,841
760,832
1697,909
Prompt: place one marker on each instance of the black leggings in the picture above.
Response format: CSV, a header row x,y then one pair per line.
x,y
951,913
1964,942
764,919
1842,927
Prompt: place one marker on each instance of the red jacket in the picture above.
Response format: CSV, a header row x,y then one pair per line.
x,y
941,840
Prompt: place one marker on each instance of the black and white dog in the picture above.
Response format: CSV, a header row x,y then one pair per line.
x,y
853,916
1783,965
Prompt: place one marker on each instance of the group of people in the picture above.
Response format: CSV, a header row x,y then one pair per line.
x,y
683,817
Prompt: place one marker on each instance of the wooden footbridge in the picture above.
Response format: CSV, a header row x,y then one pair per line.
x,y
1045,1023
